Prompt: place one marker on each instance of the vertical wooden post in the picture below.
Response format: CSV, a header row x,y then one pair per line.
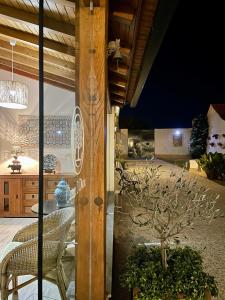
x,y
91,85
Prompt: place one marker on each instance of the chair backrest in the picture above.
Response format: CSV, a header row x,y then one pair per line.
x,y
23,259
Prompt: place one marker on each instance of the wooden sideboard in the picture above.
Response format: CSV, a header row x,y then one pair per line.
x,y
19,192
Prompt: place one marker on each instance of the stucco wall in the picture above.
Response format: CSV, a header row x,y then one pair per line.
x,y
164,142
216,126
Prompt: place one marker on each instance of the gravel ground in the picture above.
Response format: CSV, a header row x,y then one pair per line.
x,y
210,238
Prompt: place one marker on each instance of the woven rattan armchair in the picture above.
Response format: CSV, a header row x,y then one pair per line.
x,y
23,257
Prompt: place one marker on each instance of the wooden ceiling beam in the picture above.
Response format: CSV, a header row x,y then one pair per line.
x,y
26,61
22,16
28,52
117,92
122,13
118,83
121,70
67,3
33,39
33,73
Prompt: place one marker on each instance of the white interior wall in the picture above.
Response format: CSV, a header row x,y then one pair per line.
x,y
57,102
164,142
216,126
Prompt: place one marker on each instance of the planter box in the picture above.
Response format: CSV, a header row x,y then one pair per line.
x,y
180,297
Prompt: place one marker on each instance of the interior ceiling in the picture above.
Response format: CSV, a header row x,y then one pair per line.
x,y
129,20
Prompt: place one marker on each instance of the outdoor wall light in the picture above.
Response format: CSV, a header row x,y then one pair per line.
x,y
177,132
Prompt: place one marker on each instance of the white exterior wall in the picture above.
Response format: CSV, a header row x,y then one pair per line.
x,y
216,126
57,101
164,142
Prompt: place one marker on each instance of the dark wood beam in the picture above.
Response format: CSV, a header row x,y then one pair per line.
x,y
118,83
118,93
122,13
33,39
121,70
22,16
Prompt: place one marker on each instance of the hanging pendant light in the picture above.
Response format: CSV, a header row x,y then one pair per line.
x,y
13,94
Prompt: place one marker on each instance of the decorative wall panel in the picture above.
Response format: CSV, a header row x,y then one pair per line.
x,y
57,130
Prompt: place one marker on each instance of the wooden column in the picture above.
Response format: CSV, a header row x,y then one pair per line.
x,y
91,95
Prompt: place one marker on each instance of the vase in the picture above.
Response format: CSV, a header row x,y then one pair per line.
x,y
62,194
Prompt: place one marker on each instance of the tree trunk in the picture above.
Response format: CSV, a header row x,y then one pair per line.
x,y
164,255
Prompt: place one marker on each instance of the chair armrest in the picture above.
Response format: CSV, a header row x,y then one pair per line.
x,y
26,233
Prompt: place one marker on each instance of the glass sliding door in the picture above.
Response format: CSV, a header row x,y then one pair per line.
x,y
57,177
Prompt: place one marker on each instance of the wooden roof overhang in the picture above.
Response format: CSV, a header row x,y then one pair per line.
x,y
132,21
140,25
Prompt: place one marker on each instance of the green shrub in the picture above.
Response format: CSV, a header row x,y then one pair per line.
x,y
184,274
213,164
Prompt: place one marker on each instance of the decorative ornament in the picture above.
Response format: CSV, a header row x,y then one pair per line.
x,y
49,163
77,140
62,194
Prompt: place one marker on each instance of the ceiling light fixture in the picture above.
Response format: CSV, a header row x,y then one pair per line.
x,y
13,94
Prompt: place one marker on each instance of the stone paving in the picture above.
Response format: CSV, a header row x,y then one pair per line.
x,y
210,238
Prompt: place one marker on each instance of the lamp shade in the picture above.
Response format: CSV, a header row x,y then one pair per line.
x,y
13,94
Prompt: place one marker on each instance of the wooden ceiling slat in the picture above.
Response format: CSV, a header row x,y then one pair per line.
x,y
35,55
26,17
27,61
33,39
118,83
69,3
121,70
33,73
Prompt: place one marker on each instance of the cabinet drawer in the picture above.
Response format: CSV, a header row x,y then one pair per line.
x,y
51,184
27,210
30,184
50,196
30,196
29,202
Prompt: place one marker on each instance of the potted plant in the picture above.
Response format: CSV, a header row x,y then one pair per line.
x,y
183,279
168,206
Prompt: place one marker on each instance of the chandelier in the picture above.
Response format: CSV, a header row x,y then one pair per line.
x,y
13,94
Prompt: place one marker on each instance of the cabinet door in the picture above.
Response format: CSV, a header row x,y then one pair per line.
x,y
10,197
15,197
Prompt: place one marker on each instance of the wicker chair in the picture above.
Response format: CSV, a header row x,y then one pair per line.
x,y
21,255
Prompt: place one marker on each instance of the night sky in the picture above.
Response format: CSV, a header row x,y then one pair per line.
x,y
188,73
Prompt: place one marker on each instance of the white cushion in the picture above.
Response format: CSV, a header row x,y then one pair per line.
x,y
10,246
